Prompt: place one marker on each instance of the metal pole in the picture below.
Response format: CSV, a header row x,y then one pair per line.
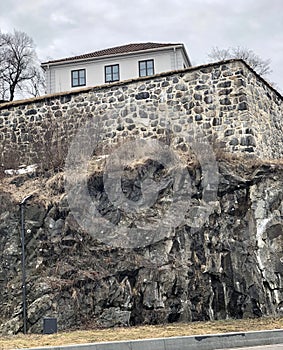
x,y
24,295
23,267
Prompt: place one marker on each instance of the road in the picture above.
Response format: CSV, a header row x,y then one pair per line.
x,y
264,347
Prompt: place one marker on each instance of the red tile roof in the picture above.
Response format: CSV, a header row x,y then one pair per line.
x,y
115,51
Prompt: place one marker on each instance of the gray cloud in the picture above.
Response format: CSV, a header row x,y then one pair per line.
x,y
63,28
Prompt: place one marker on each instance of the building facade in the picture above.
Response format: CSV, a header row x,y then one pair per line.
x,y
114,64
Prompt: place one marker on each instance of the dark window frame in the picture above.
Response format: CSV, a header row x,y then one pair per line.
x,y
111,66
78,84
146,69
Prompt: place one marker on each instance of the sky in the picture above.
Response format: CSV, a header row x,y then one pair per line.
x,y
63,28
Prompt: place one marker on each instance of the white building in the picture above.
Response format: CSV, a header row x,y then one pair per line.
x,y
114,64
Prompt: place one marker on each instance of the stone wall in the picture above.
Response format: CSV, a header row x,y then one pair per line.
x,y
227,101
216,256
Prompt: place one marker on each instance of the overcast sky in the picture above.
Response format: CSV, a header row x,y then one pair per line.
x,y
62,28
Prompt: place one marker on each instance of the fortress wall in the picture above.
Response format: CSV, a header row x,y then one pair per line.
x,y
225,101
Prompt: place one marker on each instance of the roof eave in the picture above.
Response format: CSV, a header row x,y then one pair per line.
x,y
66,62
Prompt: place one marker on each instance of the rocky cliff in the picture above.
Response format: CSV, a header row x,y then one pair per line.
x,y
229,266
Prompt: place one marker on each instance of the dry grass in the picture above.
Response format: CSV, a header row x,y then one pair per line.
x,y
141,332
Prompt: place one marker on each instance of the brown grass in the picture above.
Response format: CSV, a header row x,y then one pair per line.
x,y
141,332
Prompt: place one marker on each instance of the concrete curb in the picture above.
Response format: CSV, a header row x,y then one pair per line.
x,y
200,342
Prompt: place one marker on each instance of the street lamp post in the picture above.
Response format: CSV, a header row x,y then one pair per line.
x,y
24,297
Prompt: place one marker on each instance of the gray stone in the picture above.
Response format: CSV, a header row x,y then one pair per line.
x,y
242,106
234,141
114,317
208,99
229,132
142,95
143,114
224,84
248,141
225,101
31,112
181,87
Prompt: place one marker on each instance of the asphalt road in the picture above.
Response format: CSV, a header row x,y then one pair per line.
x,y
264,347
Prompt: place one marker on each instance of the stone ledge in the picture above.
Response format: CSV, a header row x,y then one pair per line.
x,y
125,82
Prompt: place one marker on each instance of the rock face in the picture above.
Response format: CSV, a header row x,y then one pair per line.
x,y
231,266
158,238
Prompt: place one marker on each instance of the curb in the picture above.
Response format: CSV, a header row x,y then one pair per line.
x,y
199,342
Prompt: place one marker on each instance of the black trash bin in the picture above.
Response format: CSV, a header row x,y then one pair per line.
x,y
49,325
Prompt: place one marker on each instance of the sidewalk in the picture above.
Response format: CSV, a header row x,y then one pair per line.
x,y
201,342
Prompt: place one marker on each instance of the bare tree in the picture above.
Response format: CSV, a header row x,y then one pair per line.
x,y
19,65
261,66
36,85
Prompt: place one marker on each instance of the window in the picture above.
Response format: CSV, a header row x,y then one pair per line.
x,y
112,73
78,77
146,68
